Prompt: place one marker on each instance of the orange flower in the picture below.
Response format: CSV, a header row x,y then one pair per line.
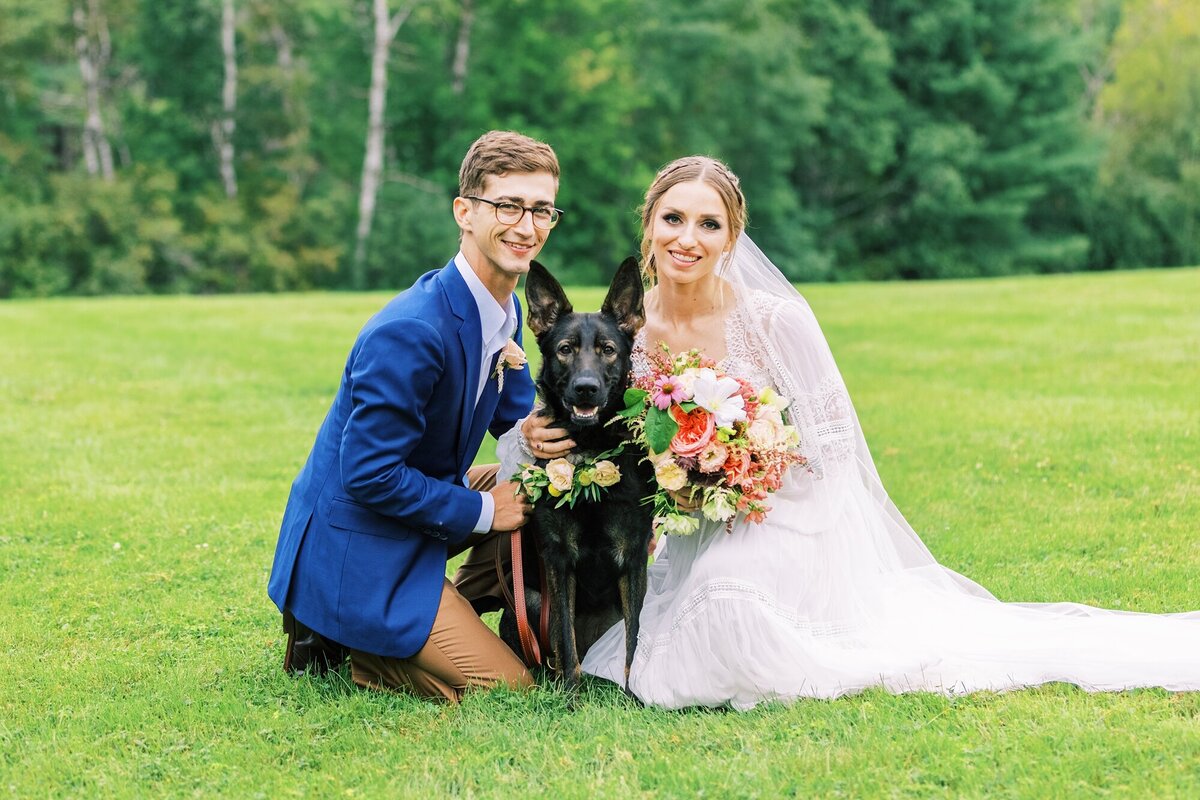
x,y
696,430
737,466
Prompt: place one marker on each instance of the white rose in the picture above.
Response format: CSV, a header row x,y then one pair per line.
x,y
764,433
688,380
770,413
561,474
606,473
670,475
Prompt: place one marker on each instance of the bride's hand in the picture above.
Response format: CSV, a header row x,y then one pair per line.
x,y
544,441
689,499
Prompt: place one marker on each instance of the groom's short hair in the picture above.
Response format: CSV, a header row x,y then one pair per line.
x,y
502,152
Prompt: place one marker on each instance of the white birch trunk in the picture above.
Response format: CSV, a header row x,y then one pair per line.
x,y
287,65
386,29
223,130
295,164
462,49
93,52
1096,75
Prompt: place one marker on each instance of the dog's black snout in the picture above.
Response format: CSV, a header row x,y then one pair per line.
x,y
586,389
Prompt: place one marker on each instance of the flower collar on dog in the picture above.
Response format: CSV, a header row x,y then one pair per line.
x,y
569,481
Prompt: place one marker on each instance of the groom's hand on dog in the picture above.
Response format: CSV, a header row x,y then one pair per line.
x,y
512,507
544,441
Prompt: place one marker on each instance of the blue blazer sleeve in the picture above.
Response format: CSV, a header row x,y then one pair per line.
x,y
393,374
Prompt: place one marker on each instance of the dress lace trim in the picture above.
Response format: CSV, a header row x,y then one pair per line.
x,y
739,360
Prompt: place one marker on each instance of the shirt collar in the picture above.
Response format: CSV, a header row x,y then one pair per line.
x,y
495,322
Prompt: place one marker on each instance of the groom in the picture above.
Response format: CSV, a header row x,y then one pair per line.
x,y
386,495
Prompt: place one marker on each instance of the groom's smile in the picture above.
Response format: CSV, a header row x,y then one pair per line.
x,y
520,248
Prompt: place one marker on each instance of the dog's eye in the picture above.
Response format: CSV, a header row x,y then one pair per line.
x,y
609,349
564,349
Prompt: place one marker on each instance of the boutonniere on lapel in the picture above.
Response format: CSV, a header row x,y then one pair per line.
x,y
511,357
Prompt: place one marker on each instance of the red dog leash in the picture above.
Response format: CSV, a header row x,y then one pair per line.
x,y
532,645
529,642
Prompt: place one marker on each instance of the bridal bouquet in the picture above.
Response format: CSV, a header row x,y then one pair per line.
x,y
718,435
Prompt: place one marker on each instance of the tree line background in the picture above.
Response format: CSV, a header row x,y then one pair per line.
x,y
237,145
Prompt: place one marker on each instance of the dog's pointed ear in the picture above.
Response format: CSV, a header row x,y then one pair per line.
x,y
624,300
544,298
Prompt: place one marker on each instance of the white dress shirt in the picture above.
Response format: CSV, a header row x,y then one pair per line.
x,y
497,324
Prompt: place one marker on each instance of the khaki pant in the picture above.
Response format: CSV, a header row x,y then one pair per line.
x,y
461,652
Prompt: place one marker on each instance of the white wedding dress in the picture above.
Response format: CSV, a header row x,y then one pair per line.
x,y
834,592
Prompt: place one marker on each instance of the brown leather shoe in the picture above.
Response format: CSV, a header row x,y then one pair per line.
x,y
308,650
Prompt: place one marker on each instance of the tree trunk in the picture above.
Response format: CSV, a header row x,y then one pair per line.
x,y
462,49
295,164
223,130
1095,73
287,65
385,33
93,49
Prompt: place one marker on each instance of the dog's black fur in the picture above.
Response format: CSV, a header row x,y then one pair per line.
x,y
594,554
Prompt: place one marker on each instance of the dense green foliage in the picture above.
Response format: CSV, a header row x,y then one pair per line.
x,y
1041,434
875,139
1150,178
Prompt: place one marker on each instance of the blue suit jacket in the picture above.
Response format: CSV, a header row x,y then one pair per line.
x,y
362,549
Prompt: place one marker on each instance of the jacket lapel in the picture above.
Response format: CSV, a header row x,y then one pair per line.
x,y
484,411
486,408
462,304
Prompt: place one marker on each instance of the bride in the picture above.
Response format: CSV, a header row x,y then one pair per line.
x,y
834,592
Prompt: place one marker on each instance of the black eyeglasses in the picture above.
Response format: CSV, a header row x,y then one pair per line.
x,y
544,217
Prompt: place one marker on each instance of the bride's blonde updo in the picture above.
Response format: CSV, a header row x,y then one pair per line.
x,y
686,170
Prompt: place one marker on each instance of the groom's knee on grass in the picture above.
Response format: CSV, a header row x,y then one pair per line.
x,y
444,681
461,653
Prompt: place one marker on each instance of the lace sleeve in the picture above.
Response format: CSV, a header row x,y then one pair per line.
x,y
795,355
787,344
512,450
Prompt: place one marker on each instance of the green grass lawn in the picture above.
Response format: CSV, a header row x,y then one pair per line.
x,y
1042,434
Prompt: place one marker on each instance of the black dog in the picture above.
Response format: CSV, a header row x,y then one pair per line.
x,y
594,554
